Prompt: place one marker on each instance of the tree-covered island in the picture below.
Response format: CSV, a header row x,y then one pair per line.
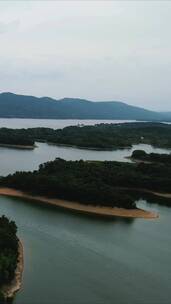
x,y
100,136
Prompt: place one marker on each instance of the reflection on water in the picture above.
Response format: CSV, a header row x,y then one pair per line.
x,y
123,220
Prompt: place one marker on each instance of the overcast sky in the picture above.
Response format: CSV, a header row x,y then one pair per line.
x,y
118,50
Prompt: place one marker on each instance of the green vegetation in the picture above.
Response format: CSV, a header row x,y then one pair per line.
x,y
152,157
112,136
85,182
15,137
8,251
101,136
97,183
22,106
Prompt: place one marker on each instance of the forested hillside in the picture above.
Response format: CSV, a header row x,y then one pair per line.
x,y
22,106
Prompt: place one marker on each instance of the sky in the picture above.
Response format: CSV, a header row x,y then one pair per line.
x,y
97,50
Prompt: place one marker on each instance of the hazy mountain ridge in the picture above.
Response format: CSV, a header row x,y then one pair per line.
x,y
23,106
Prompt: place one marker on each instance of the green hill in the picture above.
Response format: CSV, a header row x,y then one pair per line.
x,y
21,106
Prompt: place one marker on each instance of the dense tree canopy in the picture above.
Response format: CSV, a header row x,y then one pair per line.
x,y
8,251
151,157
101,136
15,137
97,183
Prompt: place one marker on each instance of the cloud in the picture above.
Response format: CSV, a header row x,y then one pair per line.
x,y
91,49
9,27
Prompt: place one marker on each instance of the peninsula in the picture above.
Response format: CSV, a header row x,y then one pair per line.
x,y
91,187
140,155
11,260
101,211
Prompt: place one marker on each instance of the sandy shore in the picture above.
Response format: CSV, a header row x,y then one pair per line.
x,y
10,289
90,209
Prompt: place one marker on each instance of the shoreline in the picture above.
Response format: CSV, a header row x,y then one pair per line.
x,y
138,161
10,289
18,146
87,209
87,148
160,194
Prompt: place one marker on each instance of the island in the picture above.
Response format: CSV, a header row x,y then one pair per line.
x,y
92,186
99,137
11,260
140,155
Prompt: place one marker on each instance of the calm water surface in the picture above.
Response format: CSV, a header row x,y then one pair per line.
x,y
12,160
18,123
74,259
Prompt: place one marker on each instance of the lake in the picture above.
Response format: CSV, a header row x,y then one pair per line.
x,y
18,123
76,259
12,160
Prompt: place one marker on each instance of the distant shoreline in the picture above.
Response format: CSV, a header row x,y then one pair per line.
x,y
86,147
25,147
10,289
87,209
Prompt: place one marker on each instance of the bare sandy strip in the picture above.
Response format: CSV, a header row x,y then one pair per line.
x,y
90,209
10,289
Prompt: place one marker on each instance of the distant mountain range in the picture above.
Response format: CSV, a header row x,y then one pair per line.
x,y
21,106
